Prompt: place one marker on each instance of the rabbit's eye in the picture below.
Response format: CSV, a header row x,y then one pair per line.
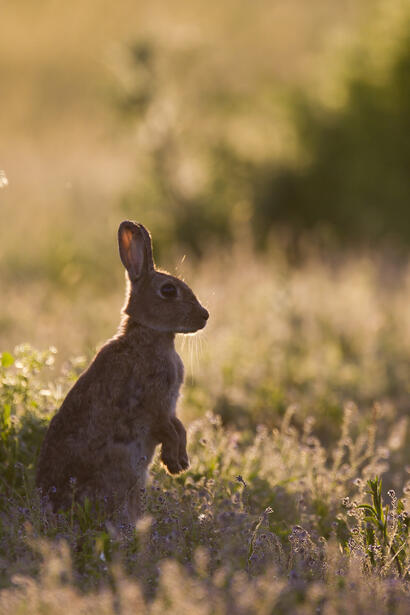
x,y
168,291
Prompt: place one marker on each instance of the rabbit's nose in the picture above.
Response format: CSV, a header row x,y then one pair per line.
x,y
205,314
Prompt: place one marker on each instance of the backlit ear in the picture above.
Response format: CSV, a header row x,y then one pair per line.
x,y
131,243
148,247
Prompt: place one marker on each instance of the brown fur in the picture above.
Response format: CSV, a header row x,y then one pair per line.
x,y
124,404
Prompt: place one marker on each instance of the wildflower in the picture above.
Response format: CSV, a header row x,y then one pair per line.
x,y
239,479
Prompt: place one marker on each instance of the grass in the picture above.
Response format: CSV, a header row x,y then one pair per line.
x,y
296,400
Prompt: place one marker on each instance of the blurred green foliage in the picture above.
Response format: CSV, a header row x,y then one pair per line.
x,y
208,165
357,177
207,123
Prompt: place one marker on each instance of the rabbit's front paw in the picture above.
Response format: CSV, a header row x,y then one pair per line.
x,y
184,461
171,463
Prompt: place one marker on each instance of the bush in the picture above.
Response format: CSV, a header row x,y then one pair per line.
x,y
346,171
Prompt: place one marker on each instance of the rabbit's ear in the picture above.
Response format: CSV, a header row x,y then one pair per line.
x,y
148,247
135,254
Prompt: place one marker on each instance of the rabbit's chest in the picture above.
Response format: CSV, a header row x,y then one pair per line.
x,y
170,382
155,388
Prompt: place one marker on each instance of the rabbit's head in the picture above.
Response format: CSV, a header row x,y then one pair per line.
x,y
157,300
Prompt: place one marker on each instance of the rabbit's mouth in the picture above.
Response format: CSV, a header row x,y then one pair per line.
x,y
192,328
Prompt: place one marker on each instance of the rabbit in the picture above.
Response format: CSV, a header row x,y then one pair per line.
x,y
102,440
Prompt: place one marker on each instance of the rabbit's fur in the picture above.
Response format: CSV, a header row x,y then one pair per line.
x,y
103,438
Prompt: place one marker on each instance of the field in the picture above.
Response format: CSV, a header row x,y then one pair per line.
x,y
271,166
296,395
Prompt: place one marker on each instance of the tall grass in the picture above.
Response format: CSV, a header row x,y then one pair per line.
x,y
315,337
296,399
260,522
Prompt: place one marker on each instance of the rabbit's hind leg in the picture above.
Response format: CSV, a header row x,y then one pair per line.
x,y
136,501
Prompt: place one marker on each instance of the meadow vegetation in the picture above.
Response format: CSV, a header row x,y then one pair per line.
x,y
267,152
293,406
